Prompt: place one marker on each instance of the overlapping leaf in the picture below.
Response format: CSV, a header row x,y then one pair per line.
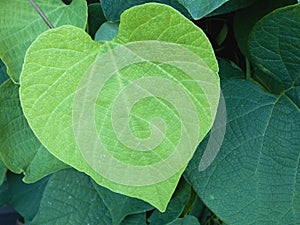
x,y
231,6
3,170
3,74
244,20
71,197
175,207
187,220
279,32
107,31
195,9
255,178
55,65
20,150
20,24
95,18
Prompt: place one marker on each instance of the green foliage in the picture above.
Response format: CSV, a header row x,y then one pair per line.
x,y
261,142
20,150
52,121
17,34
60,91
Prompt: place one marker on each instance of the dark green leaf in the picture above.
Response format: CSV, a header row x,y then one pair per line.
x,y
4,194
229,70
3,170
25,198
135,219
20,150
188,220
197,208
3,74
255,177
114,8
95,18
70,198
231,6
175,207
119,205
274,45
245,19
195,9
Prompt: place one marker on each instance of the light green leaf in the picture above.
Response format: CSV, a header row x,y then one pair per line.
x,y
196,9
3,74
187,220
125,205
175,207
55,100
279,32
20,150
18,30
107,31
95,18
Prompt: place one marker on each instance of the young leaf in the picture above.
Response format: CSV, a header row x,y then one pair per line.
x,y
57,101
18,30
20,150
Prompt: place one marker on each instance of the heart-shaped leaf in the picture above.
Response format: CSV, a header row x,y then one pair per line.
x,y
20,150
161,105
20,24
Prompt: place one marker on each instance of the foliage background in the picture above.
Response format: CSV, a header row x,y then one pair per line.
x,y
255,177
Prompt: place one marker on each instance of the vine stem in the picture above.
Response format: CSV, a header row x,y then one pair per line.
x,y
39,11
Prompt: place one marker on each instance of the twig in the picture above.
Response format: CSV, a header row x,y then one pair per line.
x,y
39,11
